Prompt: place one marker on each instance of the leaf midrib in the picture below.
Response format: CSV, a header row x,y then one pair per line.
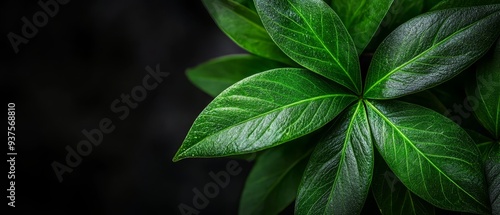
x,y
267,113
421,153
342,158
323,44
426,51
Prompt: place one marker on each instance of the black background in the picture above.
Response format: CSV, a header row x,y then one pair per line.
x,y
65,79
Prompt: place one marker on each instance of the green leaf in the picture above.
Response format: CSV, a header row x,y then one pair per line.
x,y
490,152
273,182
392,196
431,49
428,4
462,3
361,18
263,111
247,3
432,156
400,12
244,27
483,143
218,74
338,176
313,35
484,93
492,170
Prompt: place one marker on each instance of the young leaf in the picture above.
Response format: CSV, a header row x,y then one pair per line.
x,y
338,176
313,35
244,27
263,111
432,156
361,18
273,182
431,49
462,3
484,94
392,196
218,74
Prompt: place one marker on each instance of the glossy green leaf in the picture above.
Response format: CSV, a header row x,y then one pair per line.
x,y
462,3
313,35
263,111
273,182
484,94
392,196
361,18
431,49
432,156
244,27
218,74
338,176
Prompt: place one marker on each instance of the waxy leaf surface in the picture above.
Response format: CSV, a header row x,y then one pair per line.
x,y
431,155
431,49
263,111
312,34
338,175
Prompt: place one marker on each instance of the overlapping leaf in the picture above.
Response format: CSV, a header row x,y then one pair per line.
x,y
490,152
312,34
392,196
432,156
244,27
338,175
273,182
484,94
218,74
361,18
492,170
431,49
263,111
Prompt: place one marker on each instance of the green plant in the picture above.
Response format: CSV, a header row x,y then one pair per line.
x,y
302,83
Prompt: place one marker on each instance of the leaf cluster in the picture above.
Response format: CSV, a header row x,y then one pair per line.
x,y
332,133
